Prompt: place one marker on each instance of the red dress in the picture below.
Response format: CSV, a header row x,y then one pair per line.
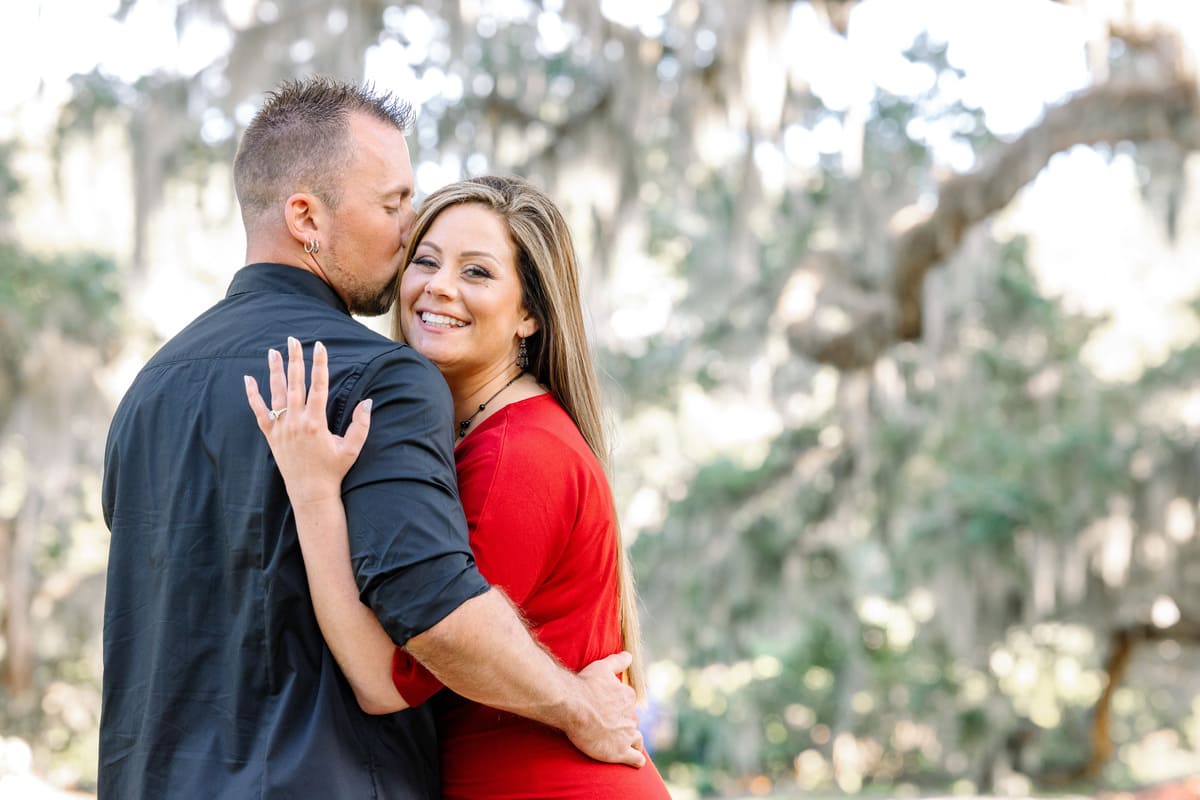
x,y
543,528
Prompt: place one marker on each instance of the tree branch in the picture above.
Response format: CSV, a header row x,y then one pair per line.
x,y
920,240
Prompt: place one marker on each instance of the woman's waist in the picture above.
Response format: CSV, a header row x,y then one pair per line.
x,y
496,755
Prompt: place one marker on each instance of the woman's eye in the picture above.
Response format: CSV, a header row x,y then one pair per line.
x,y
390,209
425,261
477,272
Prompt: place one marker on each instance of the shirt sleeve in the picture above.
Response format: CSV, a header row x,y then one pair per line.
x,y
408,536
514,489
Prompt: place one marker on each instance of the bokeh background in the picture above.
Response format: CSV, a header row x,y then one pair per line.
x,y
897,303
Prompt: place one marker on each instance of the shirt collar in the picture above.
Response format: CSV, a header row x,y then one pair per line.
x,y
281,278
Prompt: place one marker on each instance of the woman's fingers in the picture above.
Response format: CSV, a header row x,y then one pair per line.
x,y
295,376
320,380
257,404
360,426
312,459
278,381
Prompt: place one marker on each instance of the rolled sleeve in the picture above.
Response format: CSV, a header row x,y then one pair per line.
x,y
408,536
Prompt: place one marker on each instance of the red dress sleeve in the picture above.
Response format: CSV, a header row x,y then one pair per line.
x,y
415,683
515,492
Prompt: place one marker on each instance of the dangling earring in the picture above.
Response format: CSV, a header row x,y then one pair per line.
x,y
522,355
312,246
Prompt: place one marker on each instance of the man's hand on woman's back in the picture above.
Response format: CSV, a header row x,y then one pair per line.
x,y
607,729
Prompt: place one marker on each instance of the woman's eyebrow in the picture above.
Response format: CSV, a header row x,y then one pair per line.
x,y
478,253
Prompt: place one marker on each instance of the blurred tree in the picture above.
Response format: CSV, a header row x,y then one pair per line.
x,y
58,325
950,499
1147,95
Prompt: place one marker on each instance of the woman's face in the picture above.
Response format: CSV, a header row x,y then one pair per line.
x,y
460,297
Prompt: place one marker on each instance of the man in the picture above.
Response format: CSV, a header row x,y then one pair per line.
x,y
217,682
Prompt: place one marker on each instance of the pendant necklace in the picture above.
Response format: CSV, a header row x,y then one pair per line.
x,y
466,423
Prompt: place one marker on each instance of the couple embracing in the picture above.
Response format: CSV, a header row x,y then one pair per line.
x,y
408,582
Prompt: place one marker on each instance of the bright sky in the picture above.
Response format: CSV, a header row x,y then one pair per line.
x,y
1017,56
52,39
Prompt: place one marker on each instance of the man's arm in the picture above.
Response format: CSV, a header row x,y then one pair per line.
x,y
483,651
419,577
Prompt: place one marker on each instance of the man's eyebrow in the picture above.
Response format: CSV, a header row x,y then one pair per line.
x,y
402,191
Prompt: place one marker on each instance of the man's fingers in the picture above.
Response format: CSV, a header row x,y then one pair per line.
x,y
295,376
618,662
319,389
634,757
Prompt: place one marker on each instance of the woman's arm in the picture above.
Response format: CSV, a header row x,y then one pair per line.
x,y
362,648
481,649
313,462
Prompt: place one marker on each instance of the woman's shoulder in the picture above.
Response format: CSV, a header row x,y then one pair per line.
x,y
540,427
534,435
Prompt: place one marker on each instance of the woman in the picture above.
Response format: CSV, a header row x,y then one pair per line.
x,y
490,295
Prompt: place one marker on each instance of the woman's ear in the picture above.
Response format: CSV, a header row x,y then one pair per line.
x,y
528,326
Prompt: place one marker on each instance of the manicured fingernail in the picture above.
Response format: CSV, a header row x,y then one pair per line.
x,y
273,354
318,346
248,380
293,341
367,405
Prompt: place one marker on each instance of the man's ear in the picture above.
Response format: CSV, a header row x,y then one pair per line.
x,y
303,215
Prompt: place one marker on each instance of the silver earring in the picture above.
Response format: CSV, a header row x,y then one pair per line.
x,y
312,246
522,355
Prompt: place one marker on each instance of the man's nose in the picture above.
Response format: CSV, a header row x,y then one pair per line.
x,y
407,217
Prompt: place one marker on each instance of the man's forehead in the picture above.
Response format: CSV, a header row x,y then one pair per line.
x,y
383,159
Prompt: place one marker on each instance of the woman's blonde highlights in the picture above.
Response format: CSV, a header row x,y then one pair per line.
x,y
559,355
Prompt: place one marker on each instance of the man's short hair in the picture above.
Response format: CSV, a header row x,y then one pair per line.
x,y
298,141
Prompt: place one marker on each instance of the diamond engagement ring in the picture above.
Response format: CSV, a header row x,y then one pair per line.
x,y
277,413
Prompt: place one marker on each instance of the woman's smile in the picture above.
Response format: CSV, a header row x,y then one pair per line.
x,y
461,298
431,319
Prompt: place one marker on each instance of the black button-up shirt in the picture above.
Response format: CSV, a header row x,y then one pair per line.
x,y
217,683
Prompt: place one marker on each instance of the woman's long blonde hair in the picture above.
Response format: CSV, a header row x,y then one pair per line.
x,y
559,356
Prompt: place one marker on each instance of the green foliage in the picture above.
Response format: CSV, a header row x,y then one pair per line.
x,y
806,571
76,294
1033,446
51,306
10,184
1010,436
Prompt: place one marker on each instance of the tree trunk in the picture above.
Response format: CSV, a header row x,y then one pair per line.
x,y
19,537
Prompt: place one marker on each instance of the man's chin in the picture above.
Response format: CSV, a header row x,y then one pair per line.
x,y
375,306
368,311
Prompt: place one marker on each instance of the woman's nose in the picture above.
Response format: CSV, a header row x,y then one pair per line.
x,y
440,283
